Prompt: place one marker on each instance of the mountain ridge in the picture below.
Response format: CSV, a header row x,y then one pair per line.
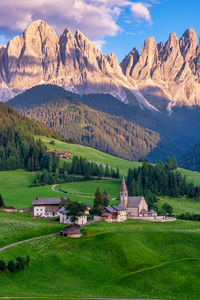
x,y
161,74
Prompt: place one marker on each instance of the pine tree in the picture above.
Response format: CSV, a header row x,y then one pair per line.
x,y
1,201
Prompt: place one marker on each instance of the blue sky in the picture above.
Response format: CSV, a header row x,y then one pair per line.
x,y
114,25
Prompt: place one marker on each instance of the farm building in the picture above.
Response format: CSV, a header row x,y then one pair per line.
x,y
46,207
9,208
62,154
114,214
65,217
71,230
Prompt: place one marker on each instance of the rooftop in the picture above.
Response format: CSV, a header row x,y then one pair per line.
x,y
133,202
46,201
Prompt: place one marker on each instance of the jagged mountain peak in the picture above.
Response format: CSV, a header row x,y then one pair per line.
x,y
39,56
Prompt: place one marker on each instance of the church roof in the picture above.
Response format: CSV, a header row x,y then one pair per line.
x,y
143,211
134,201
123,186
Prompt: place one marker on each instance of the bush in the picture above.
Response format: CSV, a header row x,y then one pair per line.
x,y
11,266
2,265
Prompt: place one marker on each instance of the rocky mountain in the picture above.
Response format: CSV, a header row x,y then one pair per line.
x,y
169,71
160,76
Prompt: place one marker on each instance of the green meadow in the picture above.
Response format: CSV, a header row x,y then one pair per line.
x,y
92,155
133,259
16,226
15,190
191,176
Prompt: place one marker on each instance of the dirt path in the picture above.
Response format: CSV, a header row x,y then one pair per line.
x,y
67,193
21,242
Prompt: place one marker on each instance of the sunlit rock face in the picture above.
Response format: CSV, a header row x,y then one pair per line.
x,y
170,72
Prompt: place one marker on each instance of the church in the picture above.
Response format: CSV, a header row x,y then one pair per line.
x,y
135,206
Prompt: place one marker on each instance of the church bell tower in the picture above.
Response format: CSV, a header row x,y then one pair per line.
x,y
123,194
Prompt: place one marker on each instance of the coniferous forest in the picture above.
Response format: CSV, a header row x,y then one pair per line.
x,y
160,180
18,148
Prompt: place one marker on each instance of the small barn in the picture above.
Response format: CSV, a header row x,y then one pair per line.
x,y
72,230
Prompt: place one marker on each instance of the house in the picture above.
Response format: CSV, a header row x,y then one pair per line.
x,y
9,208
136,206
71,230
52,151
64,154
88,207
46,207
65,217
114,214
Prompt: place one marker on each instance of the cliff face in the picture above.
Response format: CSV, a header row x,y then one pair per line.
x,y
72,61
170,72
172,68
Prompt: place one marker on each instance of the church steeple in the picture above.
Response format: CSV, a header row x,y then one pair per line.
x,y
123,194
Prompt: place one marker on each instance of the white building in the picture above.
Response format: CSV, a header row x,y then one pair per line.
x,y
46,207
65,217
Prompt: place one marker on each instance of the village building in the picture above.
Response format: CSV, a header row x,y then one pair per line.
x,y
9,208
136,206
64,154
71,230
153,213
88,207
65,217
61,154
113,214
46,207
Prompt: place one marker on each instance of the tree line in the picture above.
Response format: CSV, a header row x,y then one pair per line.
x,y
159,179
14,266
79,169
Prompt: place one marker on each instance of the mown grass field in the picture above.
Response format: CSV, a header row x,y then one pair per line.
x,y
17,226
15,190
112,187
92,155
191,176
133,259
181,205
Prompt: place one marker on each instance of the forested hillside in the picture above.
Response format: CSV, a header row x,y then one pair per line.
x,y
177,130
79,122
18,147
191,159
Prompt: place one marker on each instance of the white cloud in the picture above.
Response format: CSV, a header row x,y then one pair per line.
x,y
140,11
95,18
99,43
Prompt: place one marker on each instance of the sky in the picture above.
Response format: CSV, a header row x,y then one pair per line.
x,y
113,25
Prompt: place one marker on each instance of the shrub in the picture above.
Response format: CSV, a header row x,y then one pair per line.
x,y
2,265
11,266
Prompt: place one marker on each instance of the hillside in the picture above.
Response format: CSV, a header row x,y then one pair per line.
x,y
126,260
18,149
92,155
77,121
177,131
191,159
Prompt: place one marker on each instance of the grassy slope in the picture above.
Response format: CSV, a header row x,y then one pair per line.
x,y
192,176
93,155
14,187
20,226
130,259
